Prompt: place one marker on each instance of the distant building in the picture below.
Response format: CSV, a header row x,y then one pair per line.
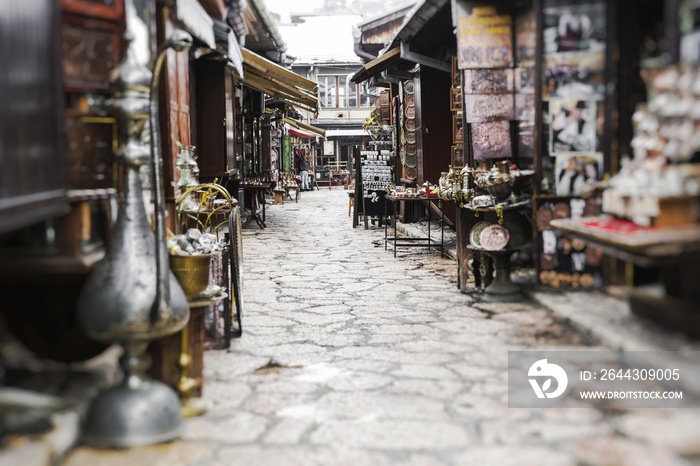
x,y
321,48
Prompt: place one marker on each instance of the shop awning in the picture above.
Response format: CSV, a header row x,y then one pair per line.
x,y
383,62
197,21
269,78
309,130
302,134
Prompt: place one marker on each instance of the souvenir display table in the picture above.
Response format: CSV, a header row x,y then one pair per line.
x,y
676,250
390,214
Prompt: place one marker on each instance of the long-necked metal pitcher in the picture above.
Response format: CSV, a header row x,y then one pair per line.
x,y
132,297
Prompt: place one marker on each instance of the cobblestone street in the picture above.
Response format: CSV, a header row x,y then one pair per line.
x,y
350,356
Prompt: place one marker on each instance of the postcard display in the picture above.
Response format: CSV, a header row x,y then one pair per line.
x,y
499,111
573,103
376,173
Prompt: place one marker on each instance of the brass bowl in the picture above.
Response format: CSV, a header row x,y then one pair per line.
x,y
192,272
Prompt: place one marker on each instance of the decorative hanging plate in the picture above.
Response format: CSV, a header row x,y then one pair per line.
x,y
378,101
408,87
411,161
411,173
402,154
410,149
410,137
384,98
475,232
544,216
562,210
410,125
409,100
494,237
410,112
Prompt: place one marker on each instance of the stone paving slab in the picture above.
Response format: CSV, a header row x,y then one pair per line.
x,y
350,356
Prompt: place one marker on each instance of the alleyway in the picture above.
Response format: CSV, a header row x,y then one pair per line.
x,y
351,357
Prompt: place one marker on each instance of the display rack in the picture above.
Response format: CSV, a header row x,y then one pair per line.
x,y
374,172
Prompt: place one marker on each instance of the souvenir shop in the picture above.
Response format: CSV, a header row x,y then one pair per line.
x,y
559,110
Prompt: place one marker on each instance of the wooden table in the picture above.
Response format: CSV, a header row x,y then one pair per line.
x,y
675,250
255,191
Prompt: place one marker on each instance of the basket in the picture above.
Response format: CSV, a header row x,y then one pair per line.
x,y
192,272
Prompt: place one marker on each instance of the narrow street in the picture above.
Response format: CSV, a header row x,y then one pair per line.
x,y
350,356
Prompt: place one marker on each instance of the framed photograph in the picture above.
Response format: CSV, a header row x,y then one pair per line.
x,y
457,156
457,129
456,74
574,27
573,126
574,76
456,99
575,171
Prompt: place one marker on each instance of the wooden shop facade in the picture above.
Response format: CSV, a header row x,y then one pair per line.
x,y
536,114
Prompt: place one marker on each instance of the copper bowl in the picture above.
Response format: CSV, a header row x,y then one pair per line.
x,y
500,191
192,272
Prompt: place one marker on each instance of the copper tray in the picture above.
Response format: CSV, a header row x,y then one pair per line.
x,y
410,125
494,238
411,161
411,173
410,112
475,232
409,100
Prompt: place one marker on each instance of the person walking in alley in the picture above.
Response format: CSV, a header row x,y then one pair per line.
x,y
303,169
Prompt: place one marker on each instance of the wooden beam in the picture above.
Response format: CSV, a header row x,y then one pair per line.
x,y
425,60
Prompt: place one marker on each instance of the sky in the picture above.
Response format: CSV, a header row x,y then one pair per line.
x,y
326,37
319,37
287,6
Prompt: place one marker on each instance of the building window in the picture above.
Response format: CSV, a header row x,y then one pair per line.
x,y
337,91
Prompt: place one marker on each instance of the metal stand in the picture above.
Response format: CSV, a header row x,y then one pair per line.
x,y
408,241
502,289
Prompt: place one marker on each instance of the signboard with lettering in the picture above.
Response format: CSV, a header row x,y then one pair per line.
x,y
484,34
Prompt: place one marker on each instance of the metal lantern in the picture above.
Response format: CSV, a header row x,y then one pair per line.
x,y
132,297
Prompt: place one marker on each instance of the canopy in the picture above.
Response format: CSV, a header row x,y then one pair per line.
x,y
270,78
308,131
